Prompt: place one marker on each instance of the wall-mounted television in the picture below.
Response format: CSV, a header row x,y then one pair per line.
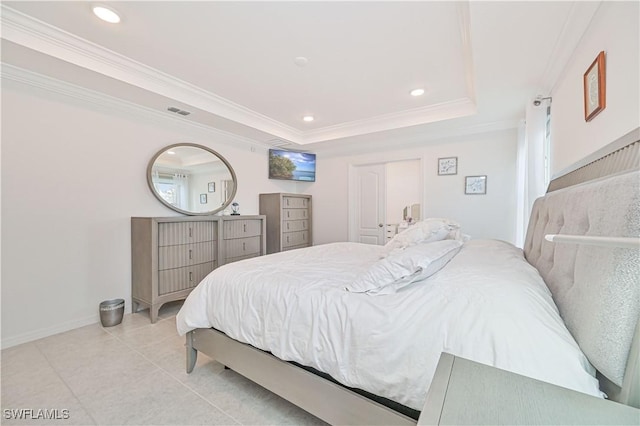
x,y
292,165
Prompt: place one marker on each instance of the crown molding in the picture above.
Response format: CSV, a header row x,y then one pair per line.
x,y
575,26
92,98
424,115
42,84
413,117
423,139
42,37
37,35
464,21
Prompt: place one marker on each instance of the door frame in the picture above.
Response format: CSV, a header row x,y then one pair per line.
x,y
351,190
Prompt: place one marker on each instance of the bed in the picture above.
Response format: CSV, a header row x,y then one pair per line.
x,y
313,326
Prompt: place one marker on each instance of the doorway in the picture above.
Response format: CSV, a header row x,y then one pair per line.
x,y
382,198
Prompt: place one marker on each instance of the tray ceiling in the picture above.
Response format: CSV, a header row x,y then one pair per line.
x,y
233,64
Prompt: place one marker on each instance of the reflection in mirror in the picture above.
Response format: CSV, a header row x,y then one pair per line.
x,y
192,179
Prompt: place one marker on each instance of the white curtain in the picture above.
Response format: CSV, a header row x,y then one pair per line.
x,y
181,181
531,165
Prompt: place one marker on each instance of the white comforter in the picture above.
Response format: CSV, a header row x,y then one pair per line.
x,y
487,304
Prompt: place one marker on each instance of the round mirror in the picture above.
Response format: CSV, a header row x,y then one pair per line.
x,y
191,179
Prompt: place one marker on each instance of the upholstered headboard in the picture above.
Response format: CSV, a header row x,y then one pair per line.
x,y
596,289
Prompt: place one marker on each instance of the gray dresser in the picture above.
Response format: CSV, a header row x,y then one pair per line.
x,y
242,237
289,221
171,255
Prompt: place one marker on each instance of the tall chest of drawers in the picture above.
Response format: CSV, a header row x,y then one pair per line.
x,y
171,255
289,221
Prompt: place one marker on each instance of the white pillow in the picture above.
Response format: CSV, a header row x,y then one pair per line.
x,y
400,269
428,230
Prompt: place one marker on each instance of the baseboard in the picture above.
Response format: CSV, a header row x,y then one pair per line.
x,y
8,342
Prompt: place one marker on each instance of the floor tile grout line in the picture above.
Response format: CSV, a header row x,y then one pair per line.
x,y
172,376
55,370
175,378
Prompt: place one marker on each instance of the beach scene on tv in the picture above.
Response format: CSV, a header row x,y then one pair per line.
x,y
292,165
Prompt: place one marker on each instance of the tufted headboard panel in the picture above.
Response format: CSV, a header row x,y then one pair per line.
x,y
596,289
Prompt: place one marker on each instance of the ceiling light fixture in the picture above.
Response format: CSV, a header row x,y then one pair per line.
x,y
417,92
106,14
301,61
308,118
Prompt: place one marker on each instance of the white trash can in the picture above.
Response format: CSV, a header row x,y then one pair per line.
x,y
111,312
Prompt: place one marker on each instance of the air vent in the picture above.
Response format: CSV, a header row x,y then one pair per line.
x,y
178,111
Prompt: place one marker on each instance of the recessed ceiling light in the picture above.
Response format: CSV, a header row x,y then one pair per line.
x,y
301,61
417,92
308,118
106,14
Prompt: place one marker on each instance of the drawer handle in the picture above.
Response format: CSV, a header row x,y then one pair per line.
x,y
287,201
287,225
190,232
287,238
303,237
190,276
304,213
244,228
288,213
243,247
190,254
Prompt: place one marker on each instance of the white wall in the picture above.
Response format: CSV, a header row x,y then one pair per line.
x,y
615,29
482,216
199,185
73,174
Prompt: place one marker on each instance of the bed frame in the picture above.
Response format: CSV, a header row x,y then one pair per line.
x,y
596,289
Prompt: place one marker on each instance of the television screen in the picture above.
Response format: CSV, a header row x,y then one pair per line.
x,y
291,165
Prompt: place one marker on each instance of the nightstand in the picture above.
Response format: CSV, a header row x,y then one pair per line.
x,y
467,392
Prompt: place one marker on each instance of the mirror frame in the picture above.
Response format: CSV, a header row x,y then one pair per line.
x,y
177,209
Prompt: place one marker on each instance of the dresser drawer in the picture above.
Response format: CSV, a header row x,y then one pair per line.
x,y
241,228
295,214
241,247
170,257
295,202
295,225
172,280
290,239
174,233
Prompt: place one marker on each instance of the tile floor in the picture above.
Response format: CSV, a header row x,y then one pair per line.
x,y
133,373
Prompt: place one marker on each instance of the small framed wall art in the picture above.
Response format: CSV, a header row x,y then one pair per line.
x,y
448,166
475,185
203,198
595,88
211,187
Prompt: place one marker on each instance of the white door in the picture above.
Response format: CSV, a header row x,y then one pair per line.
x,y
368,203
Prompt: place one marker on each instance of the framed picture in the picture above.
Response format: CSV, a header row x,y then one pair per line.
x,y
594,88
203,198
212,186
475,185
448,166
